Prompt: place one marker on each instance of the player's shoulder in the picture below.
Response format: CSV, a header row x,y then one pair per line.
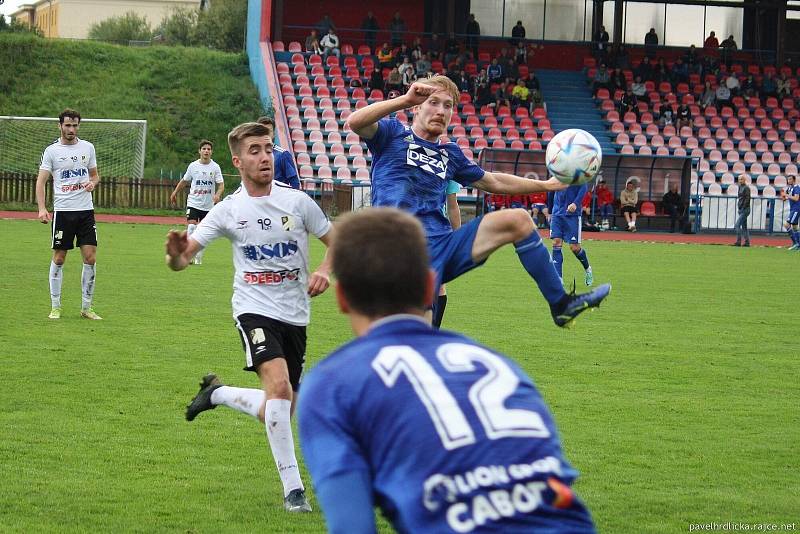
x,y
83,143
55,145
278,150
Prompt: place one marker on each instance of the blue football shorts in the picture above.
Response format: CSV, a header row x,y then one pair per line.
x,y
565,228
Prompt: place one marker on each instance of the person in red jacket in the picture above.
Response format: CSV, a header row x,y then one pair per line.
x,y
538,204
605,203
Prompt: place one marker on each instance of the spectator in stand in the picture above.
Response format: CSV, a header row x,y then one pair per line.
x,y
684,117
473,31
618,81
639,88
483,93
330,44
651,43
600,45
502,97
517,33
495,72
452,48
666,116
723,96
402,53
620,58
629,200
520,95
435,47
394,82
672,205
644,70
628,102
423,66
743,205
532,81
601,79
463,82
605,204
325,24
376,82
732,83
386,57
409,76
521,53
680,71
370,27
417,52
728,48
709,96
768,86
538,205
537,99
784,86
711,42
750,87
397,28
587,215
312,43
511,69
710,66
661,72
404,64
691,58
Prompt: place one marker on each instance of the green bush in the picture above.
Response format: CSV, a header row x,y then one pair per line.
x,y
122,29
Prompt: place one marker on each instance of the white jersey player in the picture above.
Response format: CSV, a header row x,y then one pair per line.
x,y
206,185
268,225
73,165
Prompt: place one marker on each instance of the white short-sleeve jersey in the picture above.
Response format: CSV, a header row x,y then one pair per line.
x,y
69,165
269,236
203,179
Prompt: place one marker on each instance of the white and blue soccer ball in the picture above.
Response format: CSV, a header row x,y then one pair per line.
x,y
573,156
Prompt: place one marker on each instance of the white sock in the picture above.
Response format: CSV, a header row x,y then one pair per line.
x,y
87,285
199,255
279,434
190,229
245,400
55,285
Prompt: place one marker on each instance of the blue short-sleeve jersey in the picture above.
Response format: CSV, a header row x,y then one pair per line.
x,y
285,170
565,197
452,436
411,173
794,205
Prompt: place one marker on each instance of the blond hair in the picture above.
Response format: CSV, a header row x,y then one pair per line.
x,y
247,129
445,83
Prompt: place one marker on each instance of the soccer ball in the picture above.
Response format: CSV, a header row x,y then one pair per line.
x,y
573,157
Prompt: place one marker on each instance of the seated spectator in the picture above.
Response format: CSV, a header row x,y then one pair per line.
x,y
376,81
661,72
587,215
423,66
750,87
404,64
330,44
482,94
784,87
673,206
691,58
537,99
409,77
435,47
680,72
511,69
538,205
732,83
495,72
640,89
386,57
463,82
394,82
502,96
532,82
666,116
417,52
723,96
521,54
684,117
629,200
312,43
618,81
520,95
605,203
709,96
402,53
628,102
601,79
644,70
711,42
619,57
769,87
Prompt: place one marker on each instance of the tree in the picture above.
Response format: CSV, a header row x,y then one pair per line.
x,y
178,28
222,26
122,29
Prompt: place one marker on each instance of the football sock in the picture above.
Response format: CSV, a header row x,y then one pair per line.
x,y
558,260
796,237
279,434
87,285
245,400
438,312
534,257
190,229
581,255
55,285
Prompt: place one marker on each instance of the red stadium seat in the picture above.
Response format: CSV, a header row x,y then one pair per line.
x,y
647,209
294,46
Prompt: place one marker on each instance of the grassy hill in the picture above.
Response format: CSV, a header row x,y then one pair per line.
x,y
185,94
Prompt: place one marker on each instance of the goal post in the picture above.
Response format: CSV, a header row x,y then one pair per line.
x,y
119,144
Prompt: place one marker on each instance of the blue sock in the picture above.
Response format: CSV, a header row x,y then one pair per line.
x,y
790,231
558,260
796,237
536,260
582,258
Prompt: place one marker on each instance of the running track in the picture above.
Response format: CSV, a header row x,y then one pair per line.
x,y
653,237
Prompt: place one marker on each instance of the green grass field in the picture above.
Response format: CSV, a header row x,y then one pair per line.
x,y
677,401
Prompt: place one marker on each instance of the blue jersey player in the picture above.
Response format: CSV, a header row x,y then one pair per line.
x,y
284,169
441,433
792,194
565,225
410,170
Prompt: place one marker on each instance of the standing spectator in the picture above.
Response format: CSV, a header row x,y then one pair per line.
x,y
601,79
521,53
520,95
495,72
370,27
673,206
403,53
464,82
312,43
711,42
651,43
330,44
684,117
605,203
325,24
644,70
629,200
743,206
600,44
423,66
728,48
691,57
502,97
397,27
376,82
473,31
386,57
517,33
750,87
435,47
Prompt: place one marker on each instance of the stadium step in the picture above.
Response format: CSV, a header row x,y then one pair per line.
x,y
570,105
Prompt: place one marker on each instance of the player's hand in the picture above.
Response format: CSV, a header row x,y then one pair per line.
x,y
572,207
553,184
215,198
176,245
44,216
172,199
419,93
89,187
318,282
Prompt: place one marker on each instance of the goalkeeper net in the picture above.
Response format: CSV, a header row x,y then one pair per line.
x,y
119,144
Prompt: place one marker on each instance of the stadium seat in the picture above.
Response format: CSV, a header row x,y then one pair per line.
x,y
727,179
645,150
294,46
306,171
337,149
324,172
362,174
768,192
498,143
315,137
343,173
779,181
300,146
321,159
480,143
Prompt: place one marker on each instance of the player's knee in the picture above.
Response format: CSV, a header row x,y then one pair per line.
x,y
576,249
279,389
520,223
557,242
795,227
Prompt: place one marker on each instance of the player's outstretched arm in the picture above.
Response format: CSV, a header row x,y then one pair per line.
x,y
41,181
94,179
509,184
320,279
346,501
220,190
173,197
180,250
364,122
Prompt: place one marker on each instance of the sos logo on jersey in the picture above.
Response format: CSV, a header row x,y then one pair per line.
x,y
427,159
271,278
270,251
